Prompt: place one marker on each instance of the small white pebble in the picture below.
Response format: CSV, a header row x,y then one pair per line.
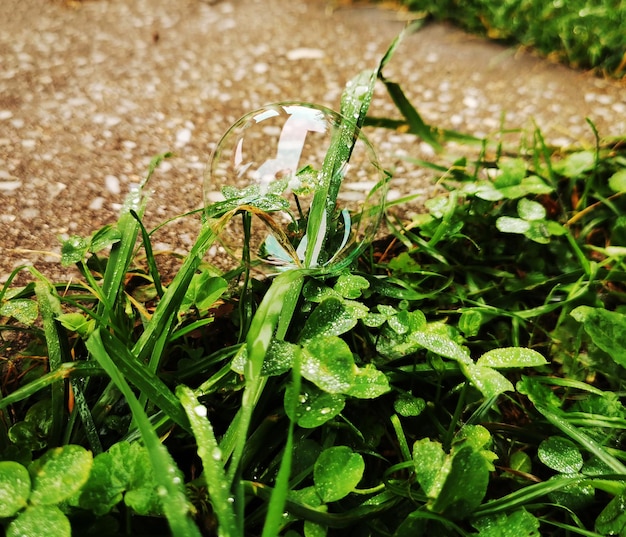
x,y
304,53
96,203
183,137
112,184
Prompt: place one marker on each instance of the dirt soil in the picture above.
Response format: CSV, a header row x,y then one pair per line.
x,y
91,91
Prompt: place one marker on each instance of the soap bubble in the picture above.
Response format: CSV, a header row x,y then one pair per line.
x,y
270,163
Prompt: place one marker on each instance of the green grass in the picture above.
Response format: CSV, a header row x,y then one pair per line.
x,y
582,33
463,376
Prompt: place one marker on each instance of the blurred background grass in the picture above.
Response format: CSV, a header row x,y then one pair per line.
x,y
581,33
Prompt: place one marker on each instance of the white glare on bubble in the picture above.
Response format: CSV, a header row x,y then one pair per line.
x,y
277,153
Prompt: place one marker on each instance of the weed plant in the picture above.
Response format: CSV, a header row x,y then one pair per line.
x,y
464,376
582,33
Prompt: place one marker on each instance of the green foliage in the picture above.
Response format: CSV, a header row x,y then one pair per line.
x,y
582,33
464,377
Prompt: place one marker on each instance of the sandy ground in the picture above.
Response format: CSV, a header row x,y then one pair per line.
x,y
90,93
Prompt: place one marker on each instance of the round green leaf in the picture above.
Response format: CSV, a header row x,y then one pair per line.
x,y
14,488
617,181
59,473
331,318
312,407
506,224
575,164
351,285
511,357
560,454
337,472
368,383
40,521
328,363
407,405
470,322
530,210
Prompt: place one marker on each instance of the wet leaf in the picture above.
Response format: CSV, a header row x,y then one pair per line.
x,y
538,393
606,328
103,238
73,250
40,521
21,309
520,461
575,496
506,357
14,488
440,474
350,285
612,519
517,524
337,472
440,344
328,363
530,210
560,454
332,317
59,474
77,322
508,224
575,164
202,293
429,459
313,407
408,405
488,381
470,323
368,383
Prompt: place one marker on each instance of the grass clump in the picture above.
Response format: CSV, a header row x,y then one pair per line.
x,y
582,33
464,376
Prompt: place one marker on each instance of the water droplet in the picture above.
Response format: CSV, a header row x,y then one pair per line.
x,y
201,411
307,408
303,397
216,454
176,480
325,410
273,159
231,499
161,491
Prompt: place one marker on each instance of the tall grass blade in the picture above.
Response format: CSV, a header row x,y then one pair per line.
x,y
170,483
149,384
56,342
276,508
211,455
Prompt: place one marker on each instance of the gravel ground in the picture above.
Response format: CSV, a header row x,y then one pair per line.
x,y
90,92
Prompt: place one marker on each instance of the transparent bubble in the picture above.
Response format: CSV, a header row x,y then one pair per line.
x,y
270,164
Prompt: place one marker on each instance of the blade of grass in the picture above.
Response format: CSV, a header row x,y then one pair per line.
x,y
150,385
209,452
582,439
147,246
276,508
262,331
50,308
65,370
166,310
521,497
171,488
